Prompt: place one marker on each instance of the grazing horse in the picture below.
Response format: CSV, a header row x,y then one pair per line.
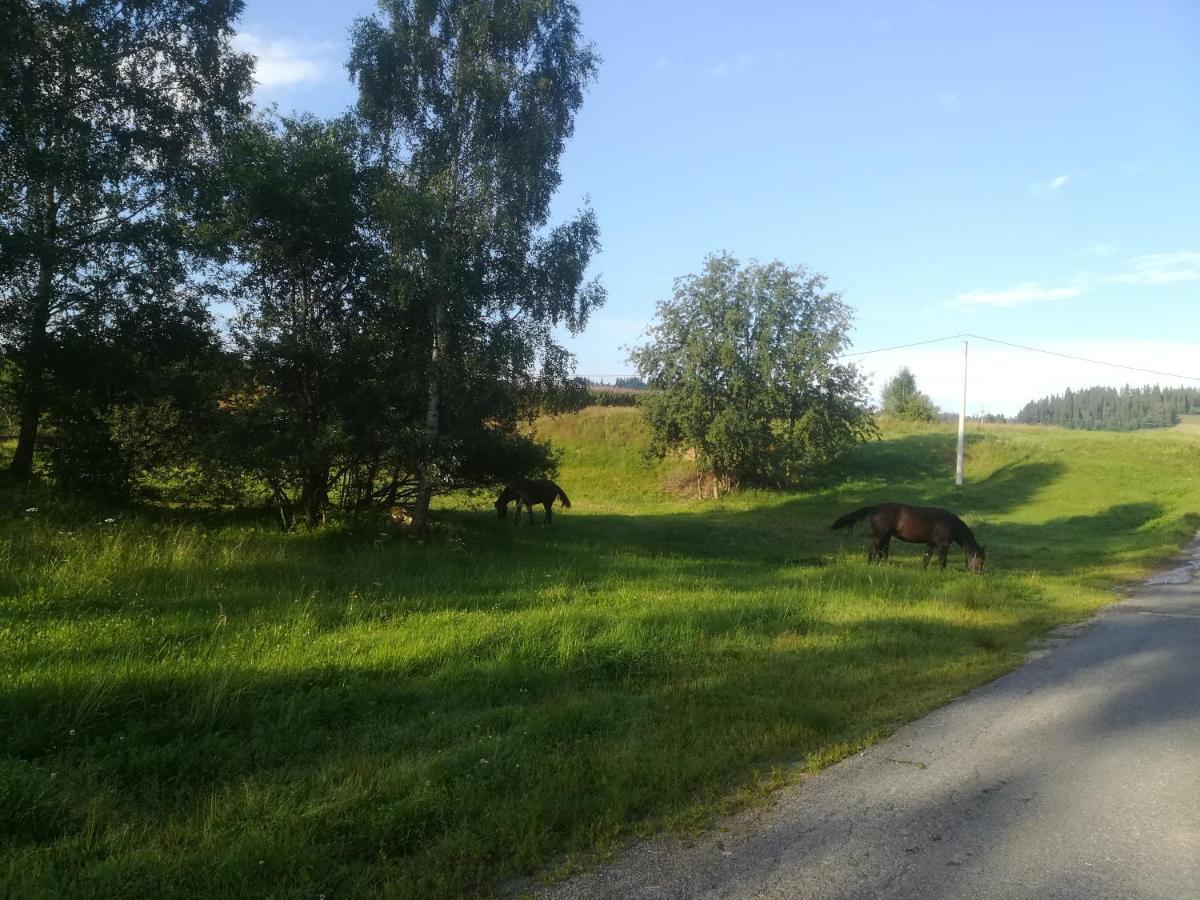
x,y
527,492
931,525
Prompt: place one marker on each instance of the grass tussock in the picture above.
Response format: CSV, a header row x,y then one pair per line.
x,y
213,708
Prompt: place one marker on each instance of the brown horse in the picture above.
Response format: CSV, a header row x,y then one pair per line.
x,y
527,492
931,525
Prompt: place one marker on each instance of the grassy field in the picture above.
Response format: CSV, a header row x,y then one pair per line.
x,y
1189,424
206,707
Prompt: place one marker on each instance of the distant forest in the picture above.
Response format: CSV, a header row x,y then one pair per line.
x,y
1113,409
622,383
625,391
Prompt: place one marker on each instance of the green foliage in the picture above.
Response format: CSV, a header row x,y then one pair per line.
x,y
902,400
109,113
210,707
1113,409
323,394
130,394
468,108
743,366
398,283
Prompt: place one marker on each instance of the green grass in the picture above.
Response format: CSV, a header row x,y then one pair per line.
x,y
211,708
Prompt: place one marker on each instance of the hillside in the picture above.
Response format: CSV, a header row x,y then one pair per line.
x,y
213,707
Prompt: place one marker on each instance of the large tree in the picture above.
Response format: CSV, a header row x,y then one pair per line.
x,y
109,111
743,366
309,284
470,104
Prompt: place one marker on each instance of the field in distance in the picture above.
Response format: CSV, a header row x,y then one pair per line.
x,y
1189,423
209,707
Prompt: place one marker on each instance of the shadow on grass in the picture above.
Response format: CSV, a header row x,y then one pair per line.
x,y
436,774
381,775
440,780
334,580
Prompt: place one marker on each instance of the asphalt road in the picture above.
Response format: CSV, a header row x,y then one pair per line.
x,y
1077,775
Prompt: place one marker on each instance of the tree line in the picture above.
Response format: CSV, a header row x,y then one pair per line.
x,y
1113,409
355,311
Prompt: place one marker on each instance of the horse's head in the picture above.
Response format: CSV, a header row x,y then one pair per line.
x,y
502,508
977,559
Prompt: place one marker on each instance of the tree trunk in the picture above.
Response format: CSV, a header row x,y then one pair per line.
x,y
314,497
31,412
33,355
433,415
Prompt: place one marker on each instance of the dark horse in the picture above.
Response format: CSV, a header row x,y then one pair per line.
x,y
527,492
939,528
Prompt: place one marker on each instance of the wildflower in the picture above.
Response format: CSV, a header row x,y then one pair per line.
x,y
482,761
110,521
72,732
32,509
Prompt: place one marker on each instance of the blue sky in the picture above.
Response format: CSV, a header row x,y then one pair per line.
x,y
1026,171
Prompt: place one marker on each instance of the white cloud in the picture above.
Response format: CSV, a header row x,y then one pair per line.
x,y
726,67
283,62
949,101
1160,268
1003,379
1025,292
1049,187
1103,248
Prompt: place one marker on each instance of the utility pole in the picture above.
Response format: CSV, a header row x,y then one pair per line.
x,y
962,423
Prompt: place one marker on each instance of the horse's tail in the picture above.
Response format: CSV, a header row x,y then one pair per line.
x,y
562,495
851,517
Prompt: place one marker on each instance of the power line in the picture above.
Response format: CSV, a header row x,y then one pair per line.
x,y
1098,362
938,340
980,337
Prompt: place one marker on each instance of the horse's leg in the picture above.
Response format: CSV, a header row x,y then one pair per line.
x,y
943,549
887,546
928,556
878,549
873,550
547,508
529,509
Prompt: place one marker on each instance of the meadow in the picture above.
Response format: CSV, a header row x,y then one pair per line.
x,y
196,704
